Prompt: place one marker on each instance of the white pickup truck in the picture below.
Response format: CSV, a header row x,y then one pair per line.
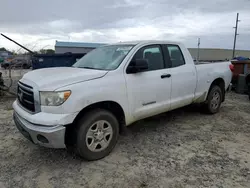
x,y
86,106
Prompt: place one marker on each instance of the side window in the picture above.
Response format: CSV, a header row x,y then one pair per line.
x,y
175,55
153,55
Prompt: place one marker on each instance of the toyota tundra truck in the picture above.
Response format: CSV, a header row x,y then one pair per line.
x,y
86,106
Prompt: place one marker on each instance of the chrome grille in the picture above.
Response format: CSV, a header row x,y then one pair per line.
x,y
25,96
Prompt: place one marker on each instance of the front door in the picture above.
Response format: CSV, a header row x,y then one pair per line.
x,y
149,91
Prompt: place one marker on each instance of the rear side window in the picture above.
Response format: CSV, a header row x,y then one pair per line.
x,y
175,55
154,56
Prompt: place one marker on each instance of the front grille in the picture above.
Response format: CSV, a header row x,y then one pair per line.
x,y
25,96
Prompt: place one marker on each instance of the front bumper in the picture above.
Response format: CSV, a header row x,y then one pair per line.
x,y
47,136
49,118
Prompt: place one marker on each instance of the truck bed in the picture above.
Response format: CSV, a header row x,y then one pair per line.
x,y
207,62
208,71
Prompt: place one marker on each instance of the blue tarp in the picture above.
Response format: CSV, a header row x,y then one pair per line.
x,y
241,58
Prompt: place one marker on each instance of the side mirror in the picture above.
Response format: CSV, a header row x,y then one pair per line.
x,y
137,65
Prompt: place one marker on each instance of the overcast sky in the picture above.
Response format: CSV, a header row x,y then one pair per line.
x,y
38,23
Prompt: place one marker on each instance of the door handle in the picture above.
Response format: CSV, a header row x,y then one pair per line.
x,y
165,76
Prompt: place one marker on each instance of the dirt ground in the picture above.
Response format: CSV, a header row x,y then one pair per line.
x,y
183,148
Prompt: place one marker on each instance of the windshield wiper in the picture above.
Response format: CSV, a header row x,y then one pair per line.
x,y
86,67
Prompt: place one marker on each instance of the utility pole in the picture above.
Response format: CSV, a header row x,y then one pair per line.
x,y
236,33
198,50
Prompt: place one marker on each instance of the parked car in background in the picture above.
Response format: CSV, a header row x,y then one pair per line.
x,y
87,105
16,63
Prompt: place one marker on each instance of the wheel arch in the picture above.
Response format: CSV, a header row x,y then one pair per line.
x,y
221,83
111,106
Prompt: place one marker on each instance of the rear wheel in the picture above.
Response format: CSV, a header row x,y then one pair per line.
x,y
97,134
214,100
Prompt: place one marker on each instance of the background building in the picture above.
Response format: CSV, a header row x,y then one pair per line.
x,y
206,54
5,54
75,47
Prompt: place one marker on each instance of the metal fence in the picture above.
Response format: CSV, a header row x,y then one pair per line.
x,y
11,76
12,69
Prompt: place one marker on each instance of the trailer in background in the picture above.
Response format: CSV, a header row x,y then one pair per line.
x,y
241,74
55,60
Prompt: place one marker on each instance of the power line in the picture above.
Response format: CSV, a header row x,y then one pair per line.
x,y
236,33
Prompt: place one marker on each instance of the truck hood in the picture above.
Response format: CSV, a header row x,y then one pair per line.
x,y
50,79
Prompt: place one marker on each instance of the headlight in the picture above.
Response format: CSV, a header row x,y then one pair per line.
x,y
53,98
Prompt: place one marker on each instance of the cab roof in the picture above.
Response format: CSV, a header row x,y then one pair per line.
x,y
146,42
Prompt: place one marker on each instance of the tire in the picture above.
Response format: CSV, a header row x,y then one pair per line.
x,y
212,106
92,141
24,66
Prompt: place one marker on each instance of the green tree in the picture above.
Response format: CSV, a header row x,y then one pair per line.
x,y
47,51
3,49
13,52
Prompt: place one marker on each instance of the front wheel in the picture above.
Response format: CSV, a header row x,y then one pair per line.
x,y
97,134
214,100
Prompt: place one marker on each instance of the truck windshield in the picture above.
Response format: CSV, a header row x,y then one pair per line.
x,y
104,58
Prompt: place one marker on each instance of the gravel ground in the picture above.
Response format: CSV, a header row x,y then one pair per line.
x,y
183,148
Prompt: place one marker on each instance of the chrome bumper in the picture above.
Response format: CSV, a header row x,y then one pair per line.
x,y
51,137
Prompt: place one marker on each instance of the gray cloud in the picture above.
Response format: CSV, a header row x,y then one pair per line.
x,y
119,20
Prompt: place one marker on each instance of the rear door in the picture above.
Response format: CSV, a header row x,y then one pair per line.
x,y
183,76
149,91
